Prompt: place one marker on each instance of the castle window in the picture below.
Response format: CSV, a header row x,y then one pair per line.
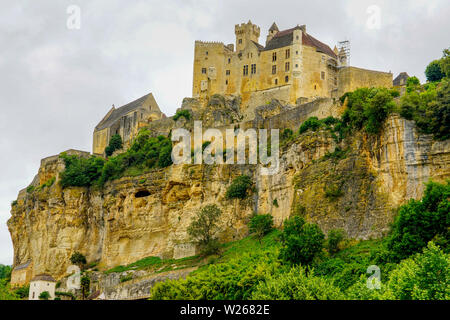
x,y
204,70
296,37
276,81
286,79
246,70
253,68
227,72
315,87
296,65
274,56
240,41
274,69
322,75
229,60
226,81
288,53
206,52
296,52
286,66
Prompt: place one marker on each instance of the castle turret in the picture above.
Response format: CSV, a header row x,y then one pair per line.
x,y
272,32
245,33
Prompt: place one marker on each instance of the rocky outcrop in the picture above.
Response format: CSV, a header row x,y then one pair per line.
x,y
147,215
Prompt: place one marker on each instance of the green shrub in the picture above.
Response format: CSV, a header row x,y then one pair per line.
x,y
286,134
30,189
182,113
297,285
312,123
418,222
146,152
368,109
433,71
203,228
80,171
22,292
14,203
232,280
126,278
335,237
78,259
425,276
115,143
300,242
44,295
333,191
261,224
239,187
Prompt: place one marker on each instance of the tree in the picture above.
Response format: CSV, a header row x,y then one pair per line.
x,y
445,63
418,222
239,188
78,259
44,295
204,227
335,237
425,276
261,224
85,282
433,71
114,144
300,241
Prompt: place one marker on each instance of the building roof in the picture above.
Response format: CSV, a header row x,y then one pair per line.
x,y
402,75
274,27
260,47
284,38
43,277
116,114
22,266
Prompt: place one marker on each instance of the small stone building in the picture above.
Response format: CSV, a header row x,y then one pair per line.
x,y
41,283
401,79
126,122
21,274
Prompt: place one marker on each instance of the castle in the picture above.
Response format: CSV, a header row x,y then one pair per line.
x,y
292,67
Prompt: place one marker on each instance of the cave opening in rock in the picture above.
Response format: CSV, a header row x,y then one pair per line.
x,y
142,193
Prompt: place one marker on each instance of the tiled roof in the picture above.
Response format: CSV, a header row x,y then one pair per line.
x,y
43,277
120,112
284,38
260,47
22,266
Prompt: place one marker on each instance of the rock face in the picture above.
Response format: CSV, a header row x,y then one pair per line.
x,y
136,217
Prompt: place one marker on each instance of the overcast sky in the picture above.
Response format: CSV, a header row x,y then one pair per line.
x,y
57,83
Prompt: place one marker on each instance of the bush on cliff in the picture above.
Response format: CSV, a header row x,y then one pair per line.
x,y
114,144
80,171
146,152
368,109
420,221
182,113
239,187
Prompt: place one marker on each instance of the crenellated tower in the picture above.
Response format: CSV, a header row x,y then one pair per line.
x,y
245,33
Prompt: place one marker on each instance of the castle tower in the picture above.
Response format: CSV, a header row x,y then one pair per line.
x,y
245,33
272,32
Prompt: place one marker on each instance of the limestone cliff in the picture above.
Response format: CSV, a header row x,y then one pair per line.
x,y
147,215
